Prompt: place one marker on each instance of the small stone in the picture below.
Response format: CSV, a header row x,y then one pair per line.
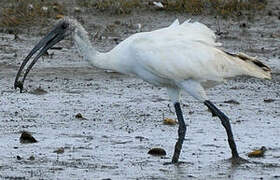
x,y
257,153
59,16
31,158
59,150
77,9
243,25
19,158
232,102
268,100
157,152
26,137
80,116
169,121
44,8
158,5
191,112
56,8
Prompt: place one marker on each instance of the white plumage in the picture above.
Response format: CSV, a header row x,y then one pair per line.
x,y
179,57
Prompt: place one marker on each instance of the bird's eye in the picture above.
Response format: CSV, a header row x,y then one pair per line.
x,y
64,25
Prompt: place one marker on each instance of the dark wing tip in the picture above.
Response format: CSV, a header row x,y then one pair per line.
x,y
246,57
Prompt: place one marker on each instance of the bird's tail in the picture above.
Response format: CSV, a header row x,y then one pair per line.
x,y
251,66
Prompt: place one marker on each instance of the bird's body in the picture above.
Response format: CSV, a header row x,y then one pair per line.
x,y
179,57
174,57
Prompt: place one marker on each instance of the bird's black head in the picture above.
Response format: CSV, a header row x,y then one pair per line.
x,y
63,28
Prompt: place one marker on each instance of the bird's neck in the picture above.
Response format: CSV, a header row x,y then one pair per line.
x,y
89,53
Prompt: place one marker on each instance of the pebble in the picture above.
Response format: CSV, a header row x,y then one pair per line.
x,y
268,100
157,152
80,116
59,151
26,137
169,121
232,102
258,153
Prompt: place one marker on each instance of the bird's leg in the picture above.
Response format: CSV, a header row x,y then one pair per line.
x,y
227,126
181,133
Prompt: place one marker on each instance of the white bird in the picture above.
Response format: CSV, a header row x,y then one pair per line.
x,y
181,57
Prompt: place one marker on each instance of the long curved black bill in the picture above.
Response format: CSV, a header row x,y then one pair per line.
x,y
53,37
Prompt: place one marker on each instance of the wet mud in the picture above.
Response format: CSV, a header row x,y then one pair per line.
x,y
121,117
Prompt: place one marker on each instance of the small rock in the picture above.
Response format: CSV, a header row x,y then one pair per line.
x,y
141,138
158,4
26,137
238,121
191,112
243,25
59,16
258,153
268,100
169,121
80,116
77,9
59,150
31,158
232,102
157,152
19,158
44,8
56,8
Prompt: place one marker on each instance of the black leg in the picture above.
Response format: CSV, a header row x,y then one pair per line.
x,y
226,124
181,133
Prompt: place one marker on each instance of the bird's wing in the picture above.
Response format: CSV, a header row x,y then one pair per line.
x,y
180,60
194,31
186,51
179,52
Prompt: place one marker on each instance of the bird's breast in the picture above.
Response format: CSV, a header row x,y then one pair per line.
x,y
152,78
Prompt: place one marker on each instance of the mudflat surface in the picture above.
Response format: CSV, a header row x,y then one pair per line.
x,y
123,115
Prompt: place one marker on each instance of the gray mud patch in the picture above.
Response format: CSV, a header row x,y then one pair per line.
x,y
124,115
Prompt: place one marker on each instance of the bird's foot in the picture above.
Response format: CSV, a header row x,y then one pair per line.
x,y
238,160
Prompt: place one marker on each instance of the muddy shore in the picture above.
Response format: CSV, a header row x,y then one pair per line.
x,y
123,115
